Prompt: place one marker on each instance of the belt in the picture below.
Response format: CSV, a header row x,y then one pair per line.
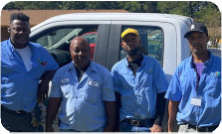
x,y
203,129
12,111
139,123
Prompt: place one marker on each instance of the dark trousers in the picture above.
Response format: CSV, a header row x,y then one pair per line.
x,y
191,128
20,122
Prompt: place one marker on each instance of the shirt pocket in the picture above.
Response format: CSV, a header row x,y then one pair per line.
x,y
213,81
66,90
9,66
147,79
183,80
213,86
37,71
93,93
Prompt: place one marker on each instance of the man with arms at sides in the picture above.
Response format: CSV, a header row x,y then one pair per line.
x,y
194,92
84,91
23,64
141,83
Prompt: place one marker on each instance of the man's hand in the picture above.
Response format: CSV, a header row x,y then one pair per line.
x,y
49,129
156,128
43,87
43,91
111,114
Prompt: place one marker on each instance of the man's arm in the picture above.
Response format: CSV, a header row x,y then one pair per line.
x,y
111,115
160,108
44,85
118,106
51,111
172,111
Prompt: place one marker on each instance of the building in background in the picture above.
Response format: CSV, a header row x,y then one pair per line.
x,y
38,16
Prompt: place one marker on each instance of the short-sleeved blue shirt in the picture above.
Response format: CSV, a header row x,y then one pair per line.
x,y
19,87
183,88
139,94
82,106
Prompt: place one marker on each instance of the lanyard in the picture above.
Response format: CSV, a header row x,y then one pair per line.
x,y
198,78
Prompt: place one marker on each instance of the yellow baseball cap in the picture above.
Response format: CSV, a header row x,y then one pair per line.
x,y
129,30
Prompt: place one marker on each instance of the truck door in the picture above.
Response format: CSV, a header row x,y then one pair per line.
x,y
56,38
158,41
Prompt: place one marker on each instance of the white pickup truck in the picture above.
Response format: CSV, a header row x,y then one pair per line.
x,y
161,34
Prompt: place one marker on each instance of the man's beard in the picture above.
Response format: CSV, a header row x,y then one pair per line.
x,y
198,51
132,52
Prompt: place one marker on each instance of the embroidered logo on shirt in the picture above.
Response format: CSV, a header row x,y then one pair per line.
x,y
217,74
150,71
93,83
42,63
65,80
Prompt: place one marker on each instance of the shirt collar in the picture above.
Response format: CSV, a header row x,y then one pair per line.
x,y
126,63
13,48
206,63
90,68
10,45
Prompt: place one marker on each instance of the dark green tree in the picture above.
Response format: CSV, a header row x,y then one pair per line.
x,y
151,6
211,17
8,6
71,5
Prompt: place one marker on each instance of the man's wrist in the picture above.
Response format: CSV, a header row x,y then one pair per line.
x,y
169,132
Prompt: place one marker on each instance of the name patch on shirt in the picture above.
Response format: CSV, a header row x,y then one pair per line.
x,y
93,83
65,80
196,102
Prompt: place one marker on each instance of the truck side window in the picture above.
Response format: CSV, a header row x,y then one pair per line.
x,y
152,42
57,39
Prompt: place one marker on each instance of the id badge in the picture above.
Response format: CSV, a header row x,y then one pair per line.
x,y
196,101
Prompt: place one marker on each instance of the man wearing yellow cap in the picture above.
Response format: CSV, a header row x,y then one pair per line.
x,y
141,82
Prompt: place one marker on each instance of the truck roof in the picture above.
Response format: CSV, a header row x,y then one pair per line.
x,y
119,17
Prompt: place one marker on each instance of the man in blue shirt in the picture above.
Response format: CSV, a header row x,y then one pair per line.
x,y
23,64
194,92
141,83
84,91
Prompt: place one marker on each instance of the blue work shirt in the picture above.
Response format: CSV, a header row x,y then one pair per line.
x,y
139,93
183,88
18,86
82,106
